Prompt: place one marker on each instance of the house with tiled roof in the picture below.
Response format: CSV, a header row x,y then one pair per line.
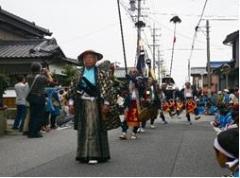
x,y
200,78
224,74
229,73
23,42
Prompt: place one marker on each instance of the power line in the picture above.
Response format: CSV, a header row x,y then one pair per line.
x,y
75,38
156,21
179,34
194,38
194,15
224,19
199,49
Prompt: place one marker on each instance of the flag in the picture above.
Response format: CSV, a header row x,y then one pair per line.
x,y
141,63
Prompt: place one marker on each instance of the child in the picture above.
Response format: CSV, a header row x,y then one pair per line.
x,y
222,119
226,147
190,108
179,107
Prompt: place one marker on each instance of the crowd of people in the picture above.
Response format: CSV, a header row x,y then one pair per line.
x,y
97,102
39,102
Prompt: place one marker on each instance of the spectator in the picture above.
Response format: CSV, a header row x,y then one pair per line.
x,y
21,89
38,80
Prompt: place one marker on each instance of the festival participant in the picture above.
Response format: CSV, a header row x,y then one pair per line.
x,y
188,94
152,104
132,105
226,147
179,107
162,98
172,107
89,104
190,106
169,106
226,96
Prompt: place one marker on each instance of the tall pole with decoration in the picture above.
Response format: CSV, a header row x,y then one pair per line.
x,y
175,20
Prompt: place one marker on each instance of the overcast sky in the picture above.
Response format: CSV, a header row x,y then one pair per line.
x,y
78,25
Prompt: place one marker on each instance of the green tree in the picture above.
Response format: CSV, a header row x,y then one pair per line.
x,y
69,71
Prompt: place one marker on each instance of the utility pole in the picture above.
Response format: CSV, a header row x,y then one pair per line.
x,y
159,65
138,28
208,55
154,45
154,40
139,24
123,44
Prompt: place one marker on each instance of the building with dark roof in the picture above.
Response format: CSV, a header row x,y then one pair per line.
x,y
23,42
14,27
200,78
229,71
224,74
233,40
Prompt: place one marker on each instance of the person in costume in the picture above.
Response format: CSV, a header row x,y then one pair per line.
x,y
89,103
152,104
226,147
188,94
162,99
132,106
179,107
190,106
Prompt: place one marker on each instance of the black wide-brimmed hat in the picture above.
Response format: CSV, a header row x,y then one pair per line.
x,y
99,56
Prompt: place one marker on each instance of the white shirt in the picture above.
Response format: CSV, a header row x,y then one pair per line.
x,y
188,92
21,92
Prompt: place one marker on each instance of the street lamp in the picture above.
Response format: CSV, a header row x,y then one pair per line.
x,y
175,20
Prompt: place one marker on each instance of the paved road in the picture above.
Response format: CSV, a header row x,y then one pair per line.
x,y
168,150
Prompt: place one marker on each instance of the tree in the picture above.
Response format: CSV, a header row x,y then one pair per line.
x,y
69,71
4,83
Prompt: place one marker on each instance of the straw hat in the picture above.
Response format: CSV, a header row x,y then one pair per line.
x,y
99,56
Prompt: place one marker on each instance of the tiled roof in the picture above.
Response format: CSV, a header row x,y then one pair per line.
x,y
217,64
36,48
231,37
72,61
20,23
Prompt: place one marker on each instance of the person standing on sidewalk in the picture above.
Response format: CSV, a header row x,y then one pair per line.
x,y
38,80
21,89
